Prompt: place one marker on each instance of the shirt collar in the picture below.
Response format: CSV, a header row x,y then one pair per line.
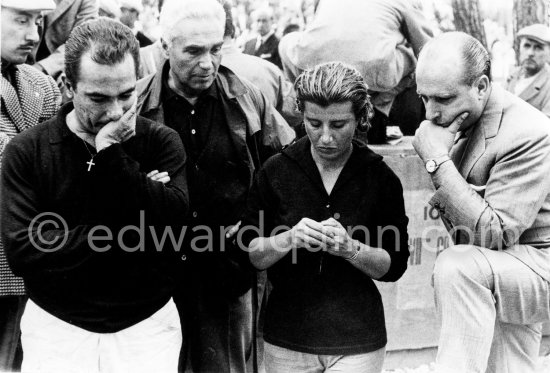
x,y
8,69
262,39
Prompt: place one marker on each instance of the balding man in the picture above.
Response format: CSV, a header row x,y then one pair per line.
x,y
488,154
531,80
266,44
262,73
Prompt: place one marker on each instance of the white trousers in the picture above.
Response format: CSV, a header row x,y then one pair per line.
x,y
52,345
492,307
282,360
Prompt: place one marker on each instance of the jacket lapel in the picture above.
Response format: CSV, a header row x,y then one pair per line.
x,y
31,100
473,150
486,128
12,104
533,89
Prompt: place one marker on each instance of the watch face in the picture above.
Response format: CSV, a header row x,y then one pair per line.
x,y
431,166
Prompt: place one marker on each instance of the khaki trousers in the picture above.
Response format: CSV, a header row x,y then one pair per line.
x,y
492,307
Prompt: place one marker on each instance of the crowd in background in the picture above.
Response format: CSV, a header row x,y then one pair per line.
x,y
296,14
232,111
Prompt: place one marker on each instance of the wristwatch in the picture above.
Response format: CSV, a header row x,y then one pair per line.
x,y
433,164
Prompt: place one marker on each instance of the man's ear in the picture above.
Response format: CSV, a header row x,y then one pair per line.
x,y
482,86
69,87
165,47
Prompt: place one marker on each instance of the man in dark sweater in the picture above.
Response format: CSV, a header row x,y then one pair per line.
x,y
91,194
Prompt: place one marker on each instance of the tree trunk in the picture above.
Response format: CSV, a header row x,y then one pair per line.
x,y
468,19
528,12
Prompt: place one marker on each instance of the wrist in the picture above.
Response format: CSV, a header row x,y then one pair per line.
x,y
433,164
286,240
356,247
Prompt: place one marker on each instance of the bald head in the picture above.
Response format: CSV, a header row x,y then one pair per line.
x,y
453,78
468,56
264,20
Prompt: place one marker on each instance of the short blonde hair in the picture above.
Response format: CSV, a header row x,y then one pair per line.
x,y
335,82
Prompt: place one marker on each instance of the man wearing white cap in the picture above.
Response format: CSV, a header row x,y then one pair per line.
x,y
531,80
28,97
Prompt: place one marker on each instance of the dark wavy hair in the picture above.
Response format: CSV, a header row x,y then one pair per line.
x,y
107,41
335,82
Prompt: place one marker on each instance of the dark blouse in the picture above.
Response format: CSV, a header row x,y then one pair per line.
x,y
321,303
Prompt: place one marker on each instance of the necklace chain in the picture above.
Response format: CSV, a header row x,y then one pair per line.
x,y
90,163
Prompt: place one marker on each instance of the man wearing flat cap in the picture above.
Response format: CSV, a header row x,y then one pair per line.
x,y
27,98
531,80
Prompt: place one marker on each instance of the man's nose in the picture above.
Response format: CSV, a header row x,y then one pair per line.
x,y
32,33
432,112
326,136
115,111
205,61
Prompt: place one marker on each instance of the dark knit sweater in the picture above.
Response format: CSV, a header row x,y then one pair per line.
x,y
110,288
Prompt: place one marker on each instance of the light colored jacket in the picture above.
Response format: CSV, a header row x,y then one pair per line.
x,y
268,78
248,111
538,92
499,190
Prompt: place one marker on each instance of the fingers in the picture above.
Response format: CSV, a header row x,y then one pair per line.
x,y
310,239
339,246
309,233
165,179
126,135
127,117
125,127
316,229
457,122
162,177
331,222
233,229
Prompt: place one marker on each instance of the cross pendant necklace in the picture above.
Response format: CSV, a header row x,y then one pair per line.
x,y
90,163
